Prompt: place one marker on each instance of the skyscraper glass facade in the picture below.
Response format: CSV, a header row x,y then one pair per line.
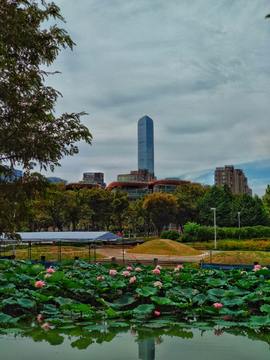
x,y
146,144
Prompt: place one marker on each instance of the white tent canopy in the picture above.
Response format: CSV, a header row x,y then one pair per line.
x,y
87,236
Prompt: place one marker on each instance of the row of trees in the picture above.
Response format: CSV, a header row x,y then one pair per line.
x,y
95,209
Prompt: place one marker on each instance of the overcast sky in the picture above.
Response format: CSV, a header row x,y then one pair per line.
x,y
199,68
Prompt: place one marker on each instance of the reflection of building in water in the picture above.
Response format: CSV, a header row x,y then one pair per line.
x,y
146,349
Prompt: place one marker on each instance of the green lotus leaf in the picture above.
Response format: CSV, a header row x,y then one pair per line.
x,y
26,303
232,302
96,327
9,301
147,291
265,308
12,330
217,292
144,309
200,299
82,343
111,313
245,284
62,301
56,276
67,327
125,300
162,300
260,320
187,292
226,323
184,276
119,324
4,318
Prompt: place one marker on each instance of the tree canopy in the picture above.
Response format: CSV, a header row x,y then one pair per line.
x,y
30,132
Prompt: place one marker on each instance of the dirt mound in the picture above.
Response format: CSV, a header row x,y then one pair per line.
x,y
165,246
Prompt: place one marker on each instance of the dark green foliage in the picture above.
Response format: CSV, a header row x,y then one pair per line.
x,y
30,133
170,234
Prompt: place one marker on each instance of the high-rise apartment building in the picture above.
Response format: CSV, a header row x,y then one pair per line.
x,y
235,178
94,178
146,144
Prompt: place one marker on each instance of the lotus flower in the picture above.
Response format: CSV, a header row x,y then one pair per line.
x,y
138,269
100,278
39,284
218,305
156,271
126,273
112,272
132,279
158,284
40,317
129,268
157,313
50,270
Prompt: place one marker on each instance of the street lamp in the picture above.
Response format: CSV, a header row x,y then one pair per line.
x,y
215,226
239,213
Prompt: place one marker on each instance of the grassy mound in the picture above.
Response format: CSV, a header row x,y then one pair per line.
x,y
241,257
163,247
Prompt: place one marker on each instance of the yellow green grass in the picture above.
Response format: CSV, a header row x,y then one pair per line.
x,y
241,257
51,253
164,247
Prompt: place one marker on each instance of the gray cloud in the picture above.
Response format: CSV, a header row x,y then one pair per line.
x,y
199,68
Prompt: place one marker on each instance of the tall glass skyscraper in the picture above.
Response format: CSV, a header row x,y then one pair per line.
x,y
146,144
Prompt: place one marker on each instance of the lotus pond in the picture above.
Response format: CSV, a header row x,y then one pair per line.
x,y
82,306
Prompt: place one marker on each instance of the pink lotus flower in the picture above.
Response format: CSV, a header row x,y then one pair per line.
x,y
39,284
158,267
132,279
265,268
257,267
40,317
47,275
180,267
156,271
45,326
126,273
157,313
112,272
50,270
177,274
244,272
100,278
138,269
158,284
218,305
129,268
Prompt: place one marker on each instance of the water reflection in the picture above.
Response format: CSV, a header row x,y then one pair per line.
x,y
146,349
146,343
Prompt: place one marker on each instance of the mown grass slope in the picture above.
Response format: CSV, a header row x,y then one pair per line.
x,y
165,246
241,257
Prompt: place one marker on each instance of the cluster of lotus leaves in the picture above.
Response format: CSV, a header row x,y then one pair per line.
x,y
81,298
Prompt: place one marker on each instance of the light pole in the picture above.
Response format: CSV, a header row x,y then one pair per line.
x,y
215,226
239,213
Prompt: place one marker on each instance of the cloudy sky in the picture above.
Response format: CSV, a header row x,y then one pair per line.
x,y
199,68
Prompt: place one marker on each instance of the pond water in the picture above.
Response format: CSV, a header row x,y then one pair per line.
x,y
144,344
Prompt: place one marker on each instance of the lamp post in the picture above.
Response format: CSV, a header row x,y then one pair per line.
x,y
239,213
215,226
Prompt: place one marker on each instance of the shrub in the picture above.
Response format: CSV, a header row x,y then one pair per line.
x,y
170,234
191,232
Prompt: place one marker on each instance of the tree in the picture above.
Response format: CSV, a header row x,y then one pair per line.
x,y
30,133
187,200
215,197
162,209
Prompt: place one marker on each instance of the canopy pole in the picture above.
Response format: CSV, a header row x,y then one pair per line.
x,y
29,250
89,253
95,252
